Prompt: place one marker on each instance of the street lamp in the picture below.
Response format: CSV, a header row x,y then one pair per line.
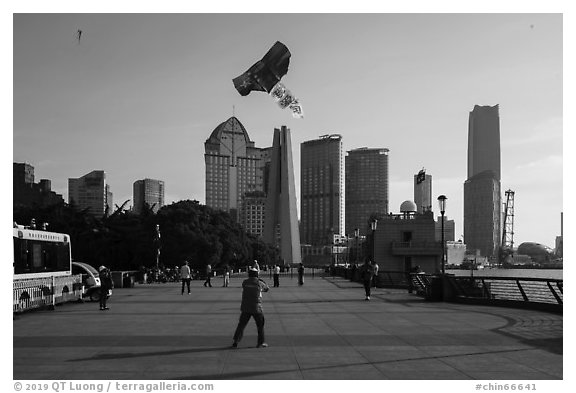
x,y
373,225
356,235
442,205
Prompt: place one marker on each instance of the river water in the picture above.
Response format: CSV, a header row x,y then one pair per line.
x,y
535,273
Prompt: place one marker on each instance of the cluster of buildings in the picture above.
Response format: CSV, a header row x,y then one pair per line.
x,y
342,195
90,192
344,198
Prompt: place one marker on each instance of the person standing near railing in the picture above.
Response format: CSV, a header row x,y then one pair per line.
x,y
366,274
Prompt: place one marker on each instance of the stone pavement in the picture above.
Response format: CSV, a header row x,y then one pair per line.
x,y
324,330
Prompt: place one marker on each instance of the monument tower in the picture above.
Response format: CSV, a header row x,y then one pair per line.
x,y
281,220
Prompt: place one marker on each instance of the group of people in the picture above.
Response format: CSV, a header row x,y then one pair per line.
x,y
252,289
186,276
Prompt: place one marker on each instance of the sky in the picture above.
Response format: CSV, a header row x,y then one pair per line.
x,y
139,94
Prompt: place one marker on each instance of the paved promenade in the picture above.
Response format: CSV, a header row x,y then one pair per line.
x,y
323,330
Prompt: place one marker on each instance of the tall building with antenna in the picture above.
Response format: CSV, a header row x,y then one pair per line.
x,y
482,189
234,166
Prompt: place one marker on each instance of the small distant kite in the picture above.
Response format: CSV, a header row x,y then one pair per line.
x,y
79,35
265,75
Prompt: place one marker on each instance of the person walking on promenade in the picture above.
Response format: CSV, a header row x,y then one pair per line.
x,y
106,284
251,307
226,275
185,276
301,274
276,276
375,267
208,276
366,274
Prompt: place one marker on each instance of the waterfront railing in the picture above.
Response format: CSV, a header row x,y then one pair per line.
x,y
530,292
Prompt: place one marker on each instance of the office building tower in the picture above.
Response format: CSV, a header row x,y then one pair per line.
x,y
366,192
322,189
27,193
253,212
281,217
148,193
234,166
482,189
423,191
91,192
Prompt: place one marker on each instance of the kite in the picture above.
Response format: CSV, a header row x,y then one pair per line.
x,y
78,35
265,75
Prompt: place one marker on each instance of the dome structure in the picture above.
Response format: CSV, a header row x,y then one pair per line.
x,y
232,124
408,207
536,251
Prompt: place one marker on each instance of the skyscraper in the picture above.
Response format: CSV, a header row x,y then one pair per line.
x,y
91,192
281,217
482,189
366,187
148,192
322,189
423,191
234,166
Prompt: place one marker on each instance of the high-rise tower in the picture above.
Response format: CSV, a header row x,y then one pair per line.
x,y
423,191
482,189
148,192
91,192
322,189
281,216
234,166
366,187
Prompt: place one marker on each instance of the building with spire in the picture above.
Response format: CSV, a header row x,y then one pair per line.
x,y
234,167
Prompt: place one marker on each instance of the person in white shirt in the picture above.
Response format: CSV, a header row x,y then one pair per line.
x,y
185,276
276,276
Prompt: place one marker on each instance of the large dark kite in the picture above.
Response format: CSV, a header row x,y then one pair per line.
x,y
265,75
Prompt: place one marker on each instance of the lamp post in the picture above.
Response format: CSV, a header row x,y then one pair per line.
x,y
356,235
373,226
442,205
157,246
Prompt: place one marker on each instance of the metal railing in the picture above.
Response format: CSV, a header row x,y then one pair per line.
x,y
517,289
33,293
545,293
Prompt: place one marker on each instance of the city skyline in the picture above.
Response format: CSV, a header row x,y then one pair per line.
x,y
144,86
